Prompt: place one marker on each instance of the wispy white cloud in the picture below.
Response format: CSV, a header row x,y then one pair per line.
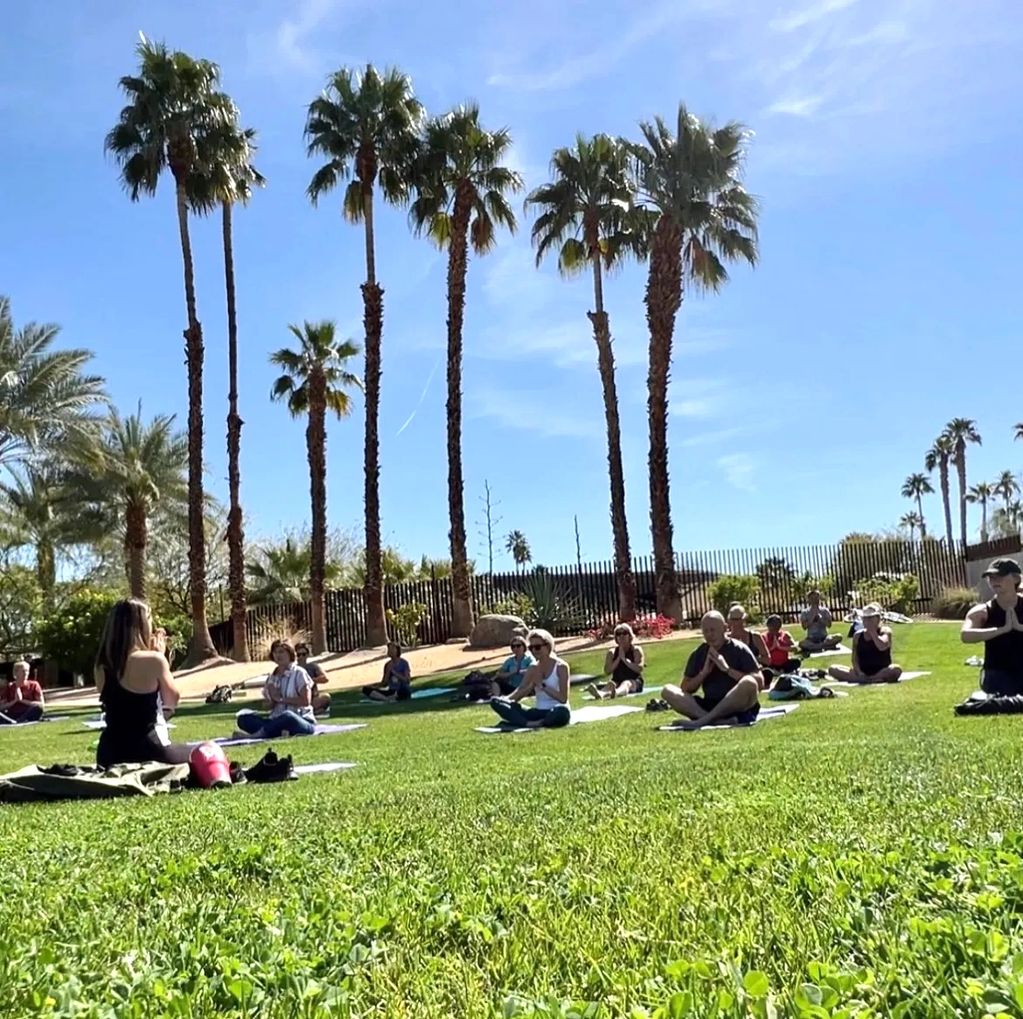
x,y
808,15
540,414
710,438
804,106
739,470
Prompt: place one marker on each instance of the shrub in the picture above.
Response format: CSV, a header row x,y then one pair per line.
x,y
645,626
179,630
272,628
515,604
553,608
70,635
731,589
404,622
954,602
897,592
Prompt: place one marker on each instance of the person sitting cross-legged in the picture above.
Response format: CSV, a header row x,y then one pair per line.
x,y
738,630
395,682
871,653
816,621
998,623
481,686
727,672
624,664
321,701
779,645
287,695
547,681
21,699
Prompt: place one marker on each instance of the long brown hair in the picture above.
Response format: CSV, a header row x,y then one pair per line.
x,y
128,628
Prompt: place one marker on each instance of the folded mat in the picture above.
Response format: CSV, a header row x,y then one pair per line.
x,y
321,730
840,650
640,693
325,766
591,713
766,714
904,678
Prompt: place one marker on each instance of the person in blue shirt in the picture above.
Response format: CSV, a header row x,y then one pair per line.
x,y
509,677
396,682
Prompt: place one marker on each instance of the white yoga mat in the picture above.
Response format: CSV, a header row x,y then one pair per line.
x,y
38,721
321,730
840,650
326,766
100,724
766,714
640,693
591,713
904,678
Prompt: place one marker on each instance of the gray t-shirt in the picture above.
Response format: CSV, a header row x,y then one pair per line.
x,y
818,629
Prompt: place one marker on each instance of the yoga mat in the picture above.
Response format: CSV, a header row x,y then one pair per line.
x,y
321,730
326,766
45,718
582,677
100,724
641,693
417,695
766,714
904,678
840,650
592,713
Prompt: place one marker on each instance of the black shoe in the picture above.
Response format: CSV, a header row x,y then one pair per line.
x,y
237,773
271,768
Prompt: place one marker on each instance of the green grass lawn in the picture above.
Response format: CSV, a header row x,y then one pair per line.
x,y
862,857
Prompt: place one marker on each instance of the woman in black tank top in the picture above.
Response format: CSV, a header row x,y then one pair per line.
x,y
624,664
130,649
871,653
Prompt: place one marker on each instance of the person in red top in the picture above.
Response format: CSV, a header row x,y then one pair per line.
x,y
21,699
779,644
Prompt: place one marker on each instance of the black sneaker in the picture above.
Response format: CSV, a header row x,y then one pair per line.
x,y
271,768
237,773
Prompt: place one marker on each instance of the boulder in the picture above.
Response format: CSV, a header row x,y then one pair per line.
x,y
496,631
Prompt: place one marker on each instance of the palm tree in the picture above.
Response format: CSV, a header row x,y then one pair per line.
x,y
226,177
981,493
911,522
461,196
1007,520
961,431
280,573
1006,487
137,469
939,455
1018,430
316,380
174,109
916,486
584,216
366,125
45,399
517,544
699,216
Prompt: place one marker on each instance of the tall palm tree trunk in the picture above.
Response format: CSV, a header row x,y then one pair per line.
x,y
461,609
960,461
619,524
136,537
946,498
920,513
46,569
373,320
663,299
316,451
201,645
983,520
235,522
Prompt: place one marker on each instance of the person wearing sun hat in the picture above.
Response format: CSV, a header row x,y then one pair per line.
x,y
998,624
871,653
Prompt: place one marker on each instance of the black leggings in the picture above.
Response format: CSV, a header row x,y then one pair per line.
x,y
117,749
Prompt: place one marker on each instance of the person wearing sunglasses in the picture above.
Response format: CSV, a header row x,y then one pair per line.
x,y
624,664
547,681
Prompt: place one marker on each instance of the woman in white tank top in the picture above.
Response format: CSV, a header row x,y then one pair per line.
x,y
547,681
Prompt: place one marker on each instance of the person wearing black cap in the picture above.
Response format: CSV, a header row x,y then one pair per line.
x,y
998,623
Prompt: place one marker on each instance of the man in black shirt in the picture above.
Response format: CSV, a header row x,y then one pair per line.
x,y
999,625
320,701
728,673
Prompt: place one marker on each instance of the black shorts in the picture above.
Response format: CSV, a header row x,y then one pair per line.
x,y
996,681
743,717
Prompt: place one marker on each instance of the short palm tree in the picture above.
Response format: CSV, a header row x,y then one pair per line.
x,y
174,107
961,431
700,216
136,470
981,493
1007,520
585,217
46,399
225,178
1006,487
462,193
280,573
366,125
939,456
316,380
916,486
911,522
1017,431
517,544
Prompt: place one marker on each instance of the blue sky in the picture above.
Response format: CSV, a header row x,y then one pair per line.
x,y
886,157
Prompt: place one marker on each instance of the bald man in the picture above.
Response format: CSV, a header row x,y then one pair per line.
x,y
727,671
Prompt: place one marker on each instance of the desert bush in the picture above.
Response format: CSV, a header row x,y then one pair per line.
x,y
731,589
897,592
272,628
404,622
954,602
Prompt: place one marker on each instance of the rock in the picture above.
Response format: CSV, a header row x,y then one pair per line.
x,y
496,631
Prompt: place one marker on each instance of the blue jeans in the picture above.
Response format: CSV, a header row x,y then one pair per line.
x,y
515,714
290,722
